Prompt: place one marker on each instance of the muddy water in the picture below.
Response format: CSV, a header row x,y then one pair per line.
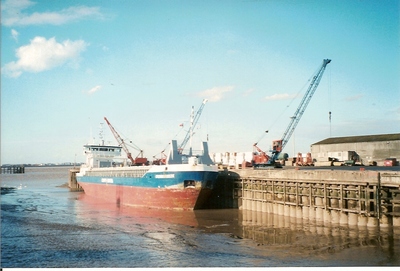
x,y
45,225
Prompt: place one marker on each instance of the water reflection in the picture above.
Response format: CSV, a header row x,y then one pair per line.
x,y
310,236
105,212
167,229
45,225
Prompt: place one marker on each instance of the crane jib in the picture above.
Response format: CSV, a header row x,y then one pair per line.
x,y
135,161
278,145
304,102
194,120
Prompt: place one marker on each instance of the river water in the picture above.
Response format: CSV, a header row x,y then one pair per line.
x,y
43,224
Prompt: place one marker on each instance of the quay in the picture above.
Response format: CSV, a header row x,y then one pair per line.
x,y
72,182
343,197
363,198
12,170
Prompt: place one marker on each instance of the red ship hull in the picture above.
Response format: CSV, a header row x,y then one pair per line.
x,y
182,199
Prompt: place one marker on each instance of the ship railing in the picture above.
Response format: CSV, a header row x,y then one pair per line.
x,y
137,173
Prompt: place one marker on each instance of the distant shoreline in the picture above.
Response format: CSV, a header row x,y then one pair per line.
x,y
40,165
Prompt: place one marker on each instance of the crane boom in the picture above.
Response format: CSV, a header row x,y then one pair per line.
x,y
193,122
304,102
120,141
278,145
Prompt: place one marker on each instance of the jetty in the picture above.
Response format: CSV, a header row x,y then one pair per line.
x,y
348,197
12,169
72,182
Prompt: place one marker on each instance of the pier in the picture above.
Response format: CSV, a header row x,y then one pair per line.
x,y
363,198
72,182
12,170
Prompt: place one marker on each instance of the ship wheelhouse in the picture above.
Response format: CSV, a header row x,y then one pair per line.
x,y
101,155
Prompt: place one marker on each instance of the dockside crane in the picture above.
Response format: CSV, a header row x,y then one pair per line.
x,y
262,159
194,118
193,121
137,161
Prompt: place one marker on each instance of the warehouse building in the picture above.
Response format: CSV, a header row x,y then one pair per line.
x,y
368,150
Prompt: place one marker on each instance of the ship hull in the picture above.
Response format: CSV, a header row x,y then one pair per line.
x,y
175,187
184,199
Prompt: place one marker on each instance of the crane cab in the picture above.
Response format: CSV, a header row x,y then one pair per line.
x,y
277,146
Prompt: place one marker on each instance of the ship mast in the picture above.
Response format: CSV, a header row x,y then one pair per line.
x,y
191,130
194,118
101,134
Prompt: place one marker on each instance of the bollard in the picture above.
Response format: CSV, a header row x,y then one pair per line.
x,y
299,212
253,205
372,221
286,210
304,200
264,207
384,221
396,221
335,216
292,211
306,212
343,218
281,210
311,214
244,204
362,221
319,214
259,206
319,201
327,216
258,218
353,219
270,207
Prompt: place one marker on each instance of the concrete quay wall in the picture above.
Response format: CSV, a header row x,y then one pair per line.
x,y
313,175
363,198
72,182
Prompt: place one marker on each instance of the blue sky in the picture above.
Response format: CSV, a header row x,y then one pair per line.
x,y
143,64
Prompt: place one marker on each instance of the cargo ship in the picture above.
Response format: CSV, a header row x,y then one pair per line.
x,y
180,181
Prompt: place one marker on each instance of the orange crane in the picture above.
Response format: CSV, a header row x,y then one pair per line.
x,y
137,161
160,161
261,159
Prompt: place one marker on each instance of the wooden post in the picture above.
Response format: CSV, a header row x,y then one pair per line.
x,y
378,196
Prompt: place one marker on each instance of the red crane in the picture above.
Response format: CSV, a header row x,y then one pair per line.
x,y
137,161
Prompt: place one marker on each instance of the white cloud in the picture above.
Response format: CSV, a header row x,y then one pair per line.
x,y
12,6
354,98
42,54
248,92
12,12
93,90
283,96
215,94
14,34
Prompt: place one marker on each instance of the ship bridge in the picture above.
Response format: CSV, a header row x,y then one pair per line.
x,y
101,155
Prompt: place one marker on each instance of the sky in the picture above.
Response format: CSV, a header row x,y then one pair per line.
x,y
65,65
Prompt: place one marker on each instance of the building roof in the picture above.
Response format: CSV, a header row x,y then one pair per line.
x,y
356,139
